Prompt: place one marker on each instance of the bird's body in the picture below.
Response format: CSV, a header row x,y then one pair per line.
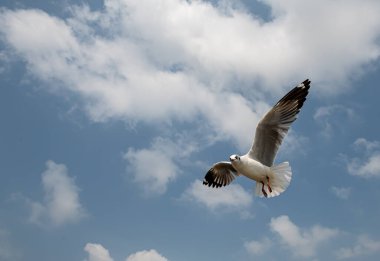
x,y
257,164
252,169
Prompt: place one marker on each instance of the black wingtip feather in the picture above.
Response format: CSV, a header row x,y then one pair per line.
x,y
209,180
298,93
306,83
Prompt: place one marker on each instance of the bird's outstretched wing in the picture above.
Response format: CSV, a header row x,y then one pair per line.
x,y
220,174
273,127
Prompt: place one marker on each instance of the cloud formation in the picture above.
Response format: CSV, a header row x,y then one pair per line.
x,y
364,246
96,252
155,167
367,165
302,243
230,198
152,168
61,201
126,82
146,255
341,192
331,118
258,247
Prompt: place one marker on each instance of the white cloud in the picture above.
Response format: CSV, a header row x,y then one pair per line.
x,y
258,247
303,243
61,202
231,197
4,62
154,168
341,192
97,252
368,165
363,246
125,82
146,255
151,168
283,47
310,243
366,168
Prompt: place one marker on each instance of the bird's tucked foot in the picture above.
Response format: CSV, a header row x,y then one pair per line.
x,y
263,190
269,188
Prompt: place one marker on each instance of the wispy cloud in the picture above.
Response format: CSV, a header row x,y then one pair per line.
x,y
368,146
260,247
366,168
367,165
341,192
331,118
363,246
61,202
229,198
302,243
96,252
294,145
7,251
4,62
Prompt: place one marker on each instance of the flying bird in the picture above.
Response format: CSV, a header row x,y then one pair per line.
x,y
257,164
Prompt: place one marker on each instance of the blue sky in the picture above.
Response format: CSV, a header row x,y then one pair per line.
x,y
112,112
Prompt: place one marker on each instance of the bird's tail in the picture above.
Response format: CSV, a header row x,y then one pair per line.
x,y
279,180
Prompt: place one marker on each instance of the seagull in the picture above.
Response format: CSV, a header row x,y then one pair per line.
x,y
257,164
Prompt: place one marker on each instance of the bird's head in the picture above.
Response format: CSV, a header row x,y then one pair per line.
x,y
234,158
